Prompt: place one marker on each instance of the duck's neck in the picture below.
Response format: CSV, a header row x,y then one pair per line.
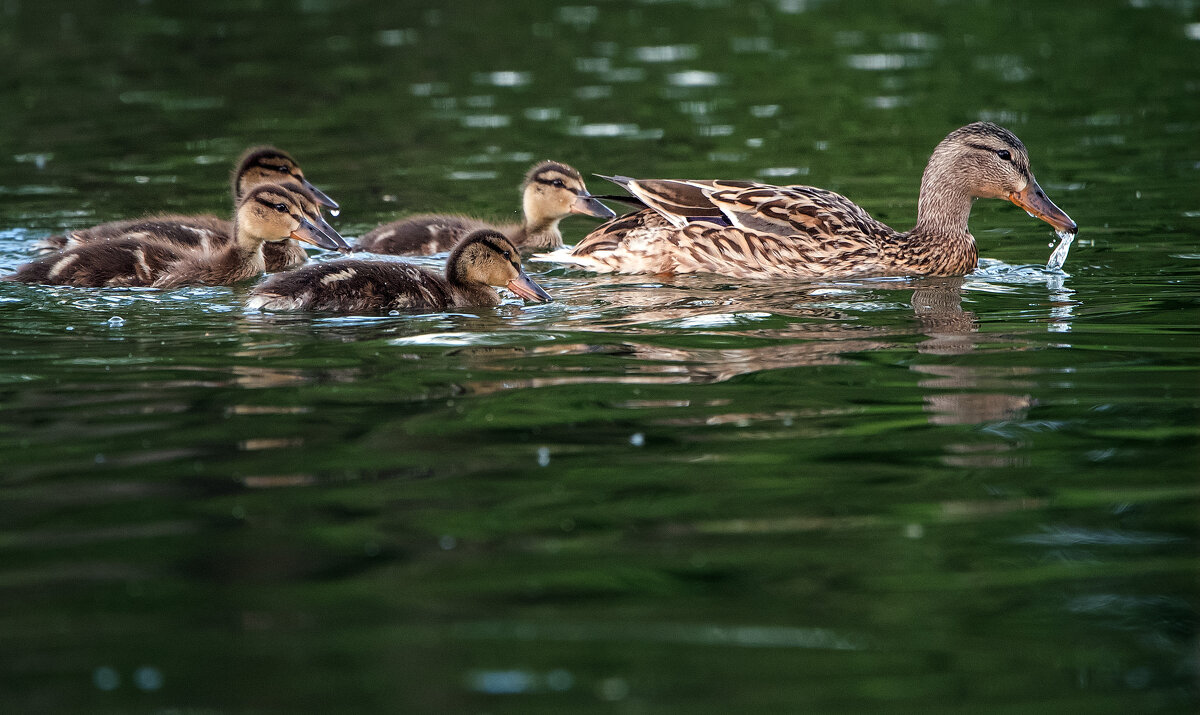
x,y
243,256
540,230
945,204
467,291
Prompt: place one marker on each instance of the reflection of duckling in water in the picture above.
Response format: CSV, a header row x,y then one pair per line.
x,y
750,230
551,192
258,166
150,254
482,260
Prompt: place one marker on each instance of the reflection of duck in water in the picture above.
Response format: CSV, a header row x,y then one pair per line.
x,y
746,229
551,192
258,166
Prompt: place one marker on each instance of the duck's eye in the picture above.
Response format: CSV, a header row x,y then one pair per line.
x,y
282,169
281,208
1003,154
506,254
558,184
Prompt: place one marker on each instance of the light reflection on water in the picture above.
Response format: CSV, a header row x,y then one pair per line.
x,y
656,494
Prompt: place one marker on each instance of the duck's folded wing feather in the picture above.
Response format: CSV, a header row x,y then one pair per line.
x,y
786,211
750,254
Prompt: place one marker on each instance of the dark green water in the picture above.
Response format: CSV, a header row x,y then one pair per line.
x,y
650,496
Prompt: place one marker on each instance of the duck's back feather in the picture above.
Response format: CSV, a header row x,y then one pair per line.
x,y
358,286
115,262
204,232
425,235
737,228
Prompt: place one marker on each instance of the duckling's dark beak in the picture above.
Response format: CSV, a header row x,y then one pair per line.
x,y
322,236
322,197
524,287
332,234
1037,204
587,205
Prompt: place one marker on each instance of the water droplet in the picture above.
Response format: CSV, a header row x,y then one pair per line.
x,y
116,321
543,456
106,678
148,678
637,439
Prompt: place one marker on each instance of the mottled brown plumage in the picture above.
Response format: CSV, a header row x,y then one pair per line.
x,y
257,166
550,192
751,230
483,259
150,253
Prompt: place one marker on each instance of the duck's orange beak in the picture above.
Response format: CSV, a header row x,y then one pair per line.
x,y
524,287
1037,204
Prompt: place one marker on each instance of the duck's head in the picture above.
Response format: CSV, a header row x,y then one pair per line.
x,y
488,257
552,191
267,165
277,212
991,162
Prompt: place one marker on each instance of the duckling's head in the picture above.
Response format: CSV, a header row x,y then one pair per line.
x,y
488,257
268,165
989,161
552,191
277,212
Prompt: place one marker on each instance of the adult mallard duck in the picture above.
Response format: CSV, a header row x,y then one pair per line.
x,y
746,229
152,253
257,166
483,259
550,192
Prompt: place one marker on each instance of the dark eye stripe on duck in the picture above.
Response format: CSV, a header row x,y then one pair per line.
x,y
549,179
270,201
983,147
500,251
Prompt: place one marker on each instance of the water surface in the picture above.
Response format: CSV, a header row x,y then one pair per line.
x,y
685,494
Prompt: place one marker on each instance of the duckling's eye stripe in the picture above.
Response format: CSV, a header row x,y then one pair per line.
x,y
551,182
271,205
499,251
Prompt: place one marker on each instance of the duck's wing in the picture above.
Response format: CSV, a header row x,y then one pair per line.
x,y
796,210
119,262
678,200
743,253
747,230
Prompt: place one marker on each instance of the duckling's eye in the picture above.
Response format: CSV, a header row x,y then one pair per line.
x,y
506,254
282,169
558,184
1003,154
281,208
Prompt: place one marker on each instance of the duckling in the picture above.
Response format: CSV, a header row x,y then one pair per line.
x,y
257,166
550,192
746,229
483,259
151,254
